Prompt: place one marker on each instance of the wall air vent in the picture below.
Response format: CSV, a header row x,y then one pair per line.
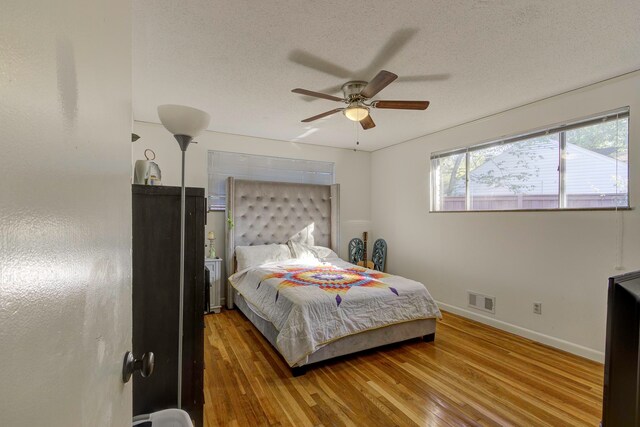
x,y
482,302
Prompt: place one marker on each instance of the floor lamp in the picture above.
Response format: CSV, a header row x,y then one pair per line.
x,y
184,123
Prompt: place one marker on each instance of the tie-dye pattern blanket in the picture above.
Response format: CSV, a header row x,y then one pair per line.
x,y
312,303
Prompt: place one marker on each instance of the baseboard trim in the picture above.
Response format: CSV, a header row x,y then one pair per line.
x,y
558,343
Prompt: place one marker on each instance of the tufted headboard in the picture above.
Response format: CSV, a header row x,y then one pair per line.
x,y
271,212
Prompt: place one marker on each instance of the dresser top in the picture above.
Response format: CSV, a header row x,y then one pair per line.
x,y
166,190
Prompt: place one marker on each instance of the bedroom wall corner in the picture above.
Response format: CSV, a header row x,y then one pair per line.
x,y
562,259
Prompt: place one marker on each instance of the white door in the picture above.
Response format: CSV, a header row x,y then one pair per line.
x,y
65,212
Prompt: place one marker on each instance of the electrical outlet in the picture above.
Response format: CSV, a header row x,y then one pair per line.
x,y
537,308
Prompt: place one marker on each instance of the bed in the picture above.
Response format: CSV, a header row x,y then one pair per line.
x,y
313,306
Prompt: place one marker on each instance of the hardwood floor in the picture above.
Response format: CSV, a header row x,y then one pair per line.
x,y
471,375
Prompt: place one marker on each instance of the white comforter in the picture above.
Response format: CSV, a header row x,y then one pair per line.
x,y
312,303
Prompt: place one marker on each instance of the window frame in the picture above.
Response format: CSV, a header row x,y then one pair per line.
x,y
560,128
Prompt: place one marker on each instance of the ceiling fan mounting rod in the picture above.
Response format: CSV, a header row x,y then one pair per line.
x,y
352,90
355,99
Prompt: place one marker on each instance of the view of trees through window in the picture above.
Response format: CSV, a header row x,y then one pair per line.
x,y
603,184
577,166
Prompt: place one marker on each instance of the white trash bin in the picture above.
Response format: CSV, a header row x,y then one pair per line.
x,y
166,418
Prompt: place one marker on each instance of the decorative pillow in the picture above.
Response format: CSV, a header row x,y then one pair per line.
x,y
304,236
252,256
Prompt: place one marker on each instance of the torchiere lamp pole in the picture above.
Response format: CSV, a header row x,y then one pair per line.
x,y
185,123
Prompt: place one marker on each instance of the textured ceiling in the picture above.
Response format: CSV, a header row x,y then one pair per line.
x,y
239,59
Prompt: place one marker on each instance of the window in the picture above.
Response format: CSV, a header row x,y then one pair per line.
x,y
224,164
581,165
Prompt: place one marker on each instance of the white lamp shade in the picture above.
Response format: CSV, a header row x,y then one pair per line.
x,y
183,120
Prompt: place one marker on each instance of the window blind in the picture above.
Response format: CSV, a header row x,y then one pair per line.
x,y
223,164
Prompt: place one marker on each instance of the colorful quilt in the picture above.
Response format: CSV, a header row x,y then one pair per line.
x,y
329,278
314,303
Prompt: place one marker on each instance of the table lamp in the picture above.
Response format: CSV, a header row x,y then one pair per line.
x,y
211,237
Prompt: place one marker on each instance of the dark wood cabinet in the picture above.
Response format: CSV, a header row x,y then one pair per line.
x,y
156,295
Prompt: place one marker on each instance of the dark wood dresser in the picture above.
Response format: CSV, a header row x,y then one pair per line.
x,y
156,295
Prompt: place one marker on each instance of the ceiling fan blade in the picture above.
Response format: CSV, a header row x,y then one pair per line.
x,y
402,105
379,82
328,90
424,78
367,123
391,48
332,89
319,116
316,94
311,61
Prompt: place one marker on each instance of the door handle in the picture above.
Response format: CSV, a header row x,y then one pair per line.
x,y
131,364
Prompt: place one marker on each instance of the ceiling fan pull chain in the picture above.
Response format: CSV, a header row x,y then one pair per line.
x,y
355,129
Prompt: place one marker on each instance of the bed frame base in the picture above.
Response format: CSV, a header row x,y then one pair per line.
x,y
429,338
298,371
418,329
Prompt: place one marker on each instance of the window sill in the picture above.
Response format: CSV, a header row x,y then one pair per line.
x,y
541,210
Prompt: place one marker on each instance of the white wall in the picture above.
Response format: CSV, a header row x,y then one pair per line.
x,y
562,259
352,171
65,212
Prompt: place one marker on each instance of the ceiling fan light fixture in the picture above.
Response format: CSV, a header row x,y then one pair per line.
x,y
356,112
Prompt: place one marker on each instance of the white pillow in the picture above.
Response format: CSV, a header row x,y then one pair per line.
x,y
324,253
302,251
304,236
252,256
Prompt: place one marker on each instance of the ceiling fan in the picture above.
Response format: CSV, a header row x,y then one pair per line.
x,y
357,96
